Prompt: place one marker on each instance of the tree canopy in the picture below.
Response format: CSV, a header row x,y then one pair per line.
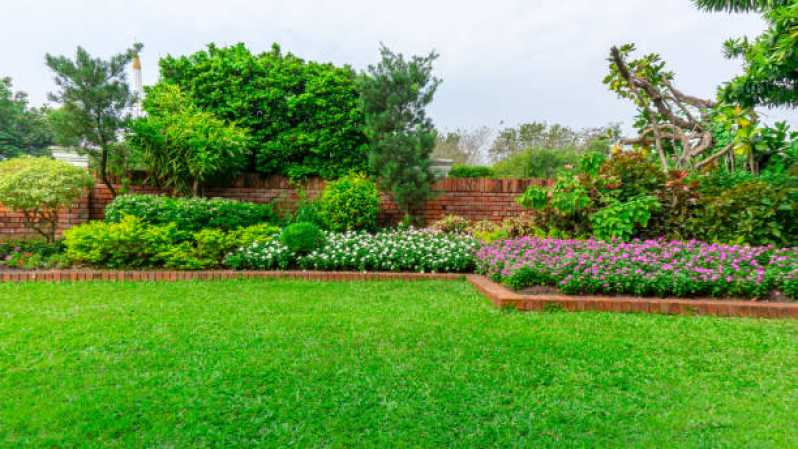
x,y
96,98
739,5
23,130
303,116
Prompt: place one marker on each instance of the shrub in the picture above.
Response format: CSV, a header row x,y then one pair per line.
x,y
487,231
259,233
351,203
267,255
622,220
38,187
753,212
451,224
630,174
30,254
184,147
189,214
470,171
128,243
539,163
206,249
520,226
301,238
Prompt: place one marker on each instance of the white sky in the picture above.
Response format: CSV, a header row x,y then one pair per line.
x,y
505,61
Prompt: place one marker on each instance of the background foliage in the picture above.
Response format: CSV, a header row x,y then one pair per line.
x,y
303,116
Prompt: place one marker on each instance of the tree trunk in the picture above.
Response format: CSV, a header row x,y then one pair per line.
x,y
104,171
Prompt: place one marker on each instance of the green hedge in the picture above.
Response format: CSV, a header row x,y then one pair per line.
x,y
189,214
471,171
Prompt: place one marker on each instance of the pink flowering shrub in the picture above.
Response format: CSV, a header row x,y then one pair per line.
x,y
643,268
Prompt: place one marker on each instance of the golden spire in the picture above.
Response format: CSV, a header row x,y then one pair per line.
x,y
136,62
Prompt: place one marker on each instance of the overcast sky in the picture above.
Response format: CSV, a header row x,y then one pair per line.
x,y
505,61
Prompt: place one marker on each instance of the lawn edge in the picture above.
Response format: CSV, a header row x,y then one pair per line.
x,y
175,275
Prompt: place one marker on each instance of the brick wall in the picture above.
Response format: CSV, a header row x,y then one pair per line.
x,y
476,199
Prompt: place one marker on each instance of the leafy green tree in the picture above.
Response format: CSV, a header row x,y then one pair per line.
x,y
739,5
97,98
38,187
183,147
394,95
23,130
770,61
303,116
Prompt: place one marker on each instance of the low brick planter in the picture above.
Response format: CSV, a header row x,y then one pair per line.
x,y
503,297
162,275
499,295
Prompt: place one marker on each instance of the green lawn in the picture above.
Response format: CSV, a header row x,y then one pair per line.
x,y
238,364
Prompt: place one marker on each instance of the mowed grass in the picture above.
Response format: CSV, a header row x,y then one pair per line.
x,y
282,364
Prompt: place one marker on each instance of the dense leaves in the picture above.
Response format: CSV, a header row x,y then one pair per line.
x,y
39,187
471,171
770,76
350,203
394,95
96,98
189,214
183,147
303,116
23,130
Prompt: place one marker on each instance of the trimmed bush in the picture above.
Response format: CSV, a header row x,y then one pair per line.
x,y
189,214
39,186
301,238
349,204
451,224
471,171
129,243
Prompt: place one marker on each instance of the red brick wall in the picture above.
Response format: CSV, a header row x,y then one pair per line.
x,y
476,199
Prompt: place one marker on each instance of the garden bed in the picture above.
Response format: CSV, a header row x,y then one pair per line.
x,y
651,268
503,297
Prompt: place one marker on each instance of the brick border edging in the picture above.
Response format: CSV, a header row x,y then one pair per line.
x,y
499,295
503,297
163,275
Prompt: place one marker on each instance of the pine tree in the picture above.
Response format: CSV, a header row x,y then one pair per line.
x,y
394,95
95,94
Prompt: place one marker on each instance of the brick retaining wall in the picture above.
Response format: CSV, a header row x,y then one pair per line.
x,y
475,199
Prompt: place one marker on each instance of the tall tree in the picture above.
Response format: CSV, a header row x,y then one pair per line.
x,y
23,130
770,61
394,95
96,95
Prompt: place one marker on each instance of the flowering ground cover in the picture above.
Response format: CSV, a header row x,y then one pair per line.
x,y
643,268
392,250
428,364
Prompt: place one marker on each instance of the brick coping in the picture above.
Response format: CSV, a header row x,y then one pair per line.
x,y
499,295
503,297
174,275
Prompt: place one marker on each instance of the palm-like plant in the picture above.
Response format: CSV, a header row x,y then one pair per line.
x,y
739,5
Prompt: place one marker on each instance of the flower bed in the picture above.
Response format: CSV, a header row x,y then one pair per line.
x,y
405,250
642,268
